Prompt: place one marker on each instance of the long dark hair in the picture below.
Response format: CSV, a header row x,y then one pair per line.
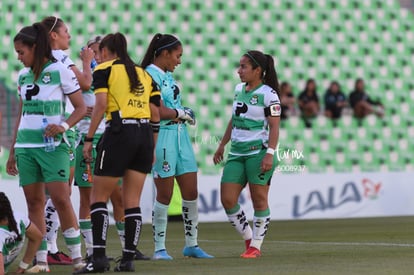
x,y
267,64
308,82
52,23
36,36
159,43
116,43
6,212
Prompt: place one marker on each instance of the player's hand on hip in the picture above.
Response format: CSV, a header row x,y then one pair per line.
x,y
267,163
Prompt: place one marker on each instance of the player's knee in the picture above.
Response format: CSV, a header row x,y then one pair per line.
x,y
228,202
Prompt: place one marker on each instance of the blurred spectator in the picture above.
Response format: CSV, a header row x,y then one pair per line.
x,y
335,101
362,104
287,100
309,102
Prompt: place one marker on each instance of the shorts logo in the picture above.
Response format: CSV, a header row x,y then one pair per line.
x,y
254,100
166,166
61,173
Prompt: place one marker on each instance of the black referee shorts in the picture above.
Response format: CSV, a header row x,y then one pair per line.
x,y
130,149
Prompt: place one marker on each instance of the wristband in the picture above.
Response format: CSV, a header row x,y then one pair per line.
x,y
65,125
87,139
270,151
23,265
155,126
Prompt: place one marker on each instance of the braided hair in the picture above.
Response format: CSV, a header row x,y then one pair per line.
x,y
6,212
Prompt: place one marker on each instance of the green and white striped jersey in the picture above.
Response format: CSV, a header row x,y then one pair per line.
x,y
249,122
10,247
44,98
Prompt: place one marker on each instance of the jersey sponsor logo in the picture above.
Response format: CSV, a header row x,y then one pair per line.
x,y
31,90
275,110
241,108
136,103
176,91
254,100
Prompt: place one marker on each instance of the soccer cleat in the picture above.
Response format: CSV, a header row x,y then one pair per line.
x,y
196,252
251,253
78,266
161,255
140,257
39,268
98,265
125,266
247,243
58,258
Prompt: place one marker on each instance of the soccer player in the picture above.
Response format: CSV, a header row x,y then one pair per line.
x,y
43,156
130,99
59,38
14,228
253,131
174,152
84,170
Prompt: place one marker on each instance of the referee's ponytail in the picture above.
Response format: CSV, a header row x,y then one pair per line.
x,y
117,44
267,64
158,44
36,36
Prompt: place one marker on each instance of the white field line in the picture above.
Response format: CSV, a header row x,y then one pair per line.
x,y
346,243
309,243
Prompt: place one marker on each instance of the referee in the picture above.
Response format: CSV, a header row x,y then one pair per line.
x,y
129,98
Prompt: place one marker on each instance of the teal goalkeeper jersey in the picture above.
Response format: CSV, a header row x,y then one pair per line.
x,y
170,92
249,123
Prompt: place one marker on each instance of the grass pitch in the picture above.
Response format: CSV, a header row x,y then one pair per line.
x,y
353,246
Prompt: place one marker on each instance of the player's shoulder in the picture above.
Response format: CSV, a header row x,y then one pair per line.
x,y
104,65
239,87
23,72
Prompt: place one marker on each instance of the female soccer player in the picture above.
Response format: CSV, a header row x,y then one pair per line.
x,y
59,38
43,161
254,132
14,228
130,99
174,153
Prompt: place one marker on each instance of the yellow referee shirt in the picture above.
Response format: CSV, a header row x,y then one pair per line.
x,y
111,77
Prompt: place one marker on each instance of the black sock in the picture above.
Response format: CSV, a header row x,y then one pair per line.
x,y
133,223
100,223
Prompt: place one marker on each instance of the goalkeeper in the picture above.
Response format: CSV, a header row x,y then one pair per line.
x,y
174,153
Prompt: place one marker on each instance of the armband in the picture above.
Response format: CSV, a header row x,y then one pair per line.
x,y
155,126
65,125
273,110
23,265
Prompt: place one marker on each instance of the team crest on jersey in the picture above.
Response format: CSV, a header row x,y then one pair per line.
x,y
46,78
71,155
166,166
254,100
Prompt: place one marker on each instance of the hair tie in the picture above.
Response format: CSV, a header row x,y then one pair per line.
x,y
166,46
54,25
